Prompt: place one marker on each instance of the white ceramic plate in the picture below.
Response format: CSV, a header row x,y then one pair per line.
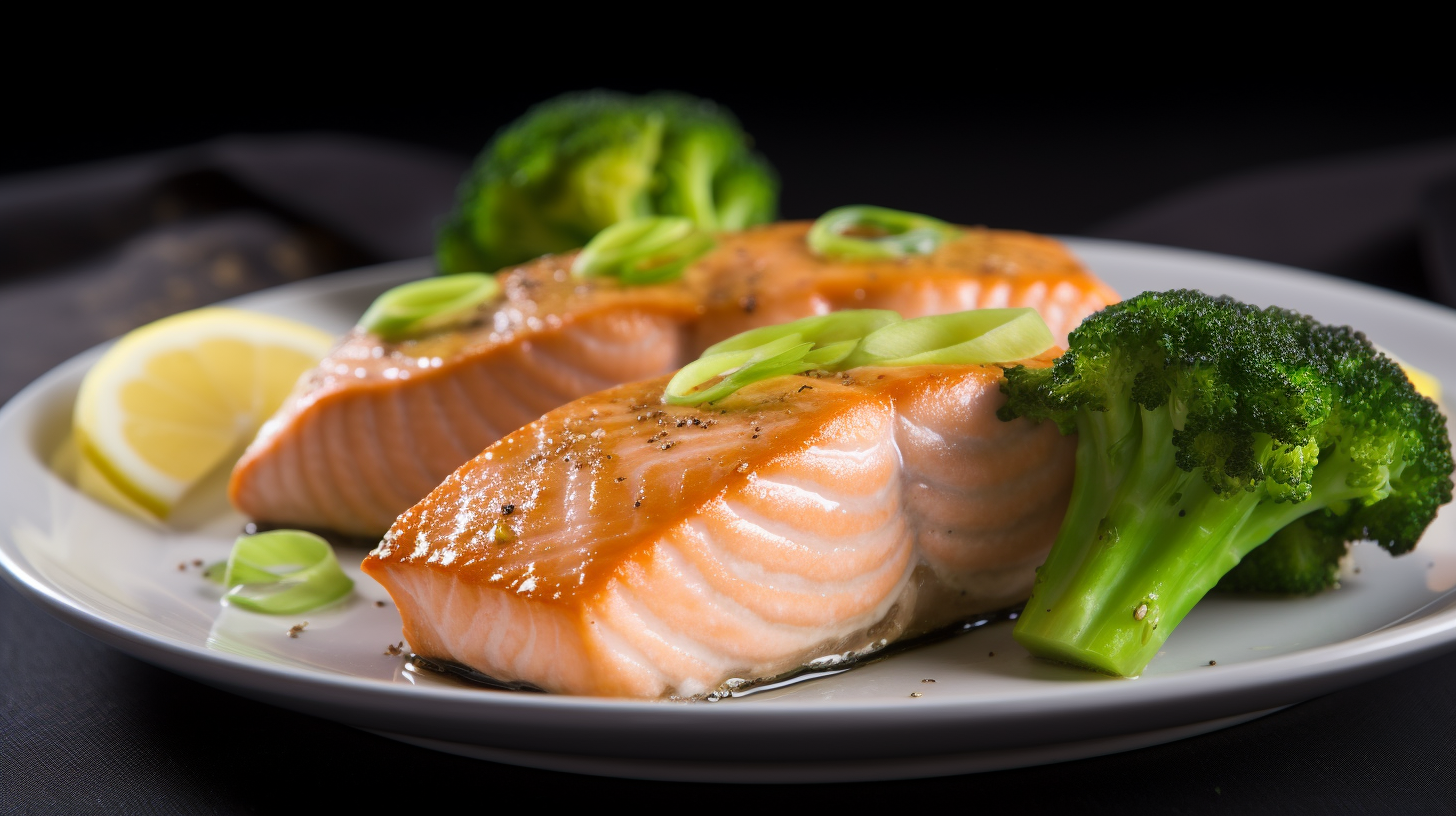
x,y
991,705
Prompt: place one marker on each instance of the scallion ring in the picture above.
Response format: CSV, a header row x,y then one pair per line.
x,y
863,233
430,305
637,251
820,342
821,330
869,337
282,572
976,337
776,358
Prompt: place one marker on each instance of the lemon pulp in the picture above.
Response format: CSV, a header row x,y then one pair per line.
x,y
174,399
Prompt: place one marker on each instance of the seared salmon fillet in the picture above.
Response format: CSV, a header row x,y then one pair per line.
x,y
620,546
377,425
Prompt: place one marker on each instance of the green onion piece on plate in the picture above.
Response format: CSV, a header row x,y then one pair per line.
x,y
637,251
976,337
862,233
283,572
430,305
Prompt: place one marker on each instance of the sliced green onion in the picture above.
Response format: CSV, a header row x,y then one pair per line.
x,y
637,251
821,342
421,307
869,337
862,233
821,330
737,368
283,572
976,337
829,357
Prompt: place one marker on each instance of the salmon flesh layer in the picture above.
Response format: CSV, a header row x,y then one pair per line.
x,y
620,546
378,425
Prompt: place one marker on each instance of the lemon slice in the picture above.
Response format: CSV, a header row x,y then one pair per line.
x,y
174,399
1424,382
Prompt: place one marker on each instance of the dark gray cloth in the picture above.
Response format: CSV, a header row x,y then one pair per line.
x,y
380,198
88,253
1374,217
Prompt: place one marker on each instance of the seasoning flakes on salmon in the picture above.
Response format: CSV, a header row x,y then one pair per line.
x,y
620,546
377,425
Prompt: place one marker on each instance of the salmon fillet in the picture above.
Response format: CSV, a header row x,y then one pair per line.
x,y
619,546
378,425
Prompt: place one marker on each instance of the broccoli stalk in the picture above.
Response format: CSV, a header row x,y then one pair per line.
x,y
1205,426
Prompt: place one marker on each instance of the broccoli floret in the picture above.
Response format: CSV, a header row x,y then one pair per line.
x,y
581,162
1301,559
1205,426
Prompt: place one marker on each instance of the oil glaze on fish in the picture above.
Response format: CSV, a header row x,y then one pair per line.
x,y
620,546
378,425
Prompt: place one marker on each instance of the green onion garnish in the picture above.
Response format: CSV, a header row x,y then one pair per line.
x,y
650,249
862,233
430,305
820,330
976,337
282,572
738,368
869,337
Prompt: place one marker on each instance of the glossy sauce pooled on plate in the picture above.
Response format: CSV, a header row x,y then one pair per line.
x,y
377,425
621,546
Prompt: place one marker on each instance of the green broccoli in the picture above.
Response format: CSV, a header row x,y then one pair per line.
x,y
1205,426
1301,559
581,162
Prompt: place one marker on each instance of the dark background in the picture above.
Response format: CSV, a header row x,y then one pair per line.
x,y
83,727
1010,148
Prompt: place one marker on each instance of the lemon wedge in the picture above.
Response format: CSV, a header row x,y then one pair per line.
x,y
174,399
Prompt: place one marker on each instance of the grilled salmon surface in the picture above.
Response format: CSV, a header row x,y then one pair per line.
x,y
621,546
378,425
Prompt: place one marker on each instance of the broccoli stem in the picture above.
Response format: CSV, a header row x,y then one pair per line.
x,y
1143,542
740,199
691,173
